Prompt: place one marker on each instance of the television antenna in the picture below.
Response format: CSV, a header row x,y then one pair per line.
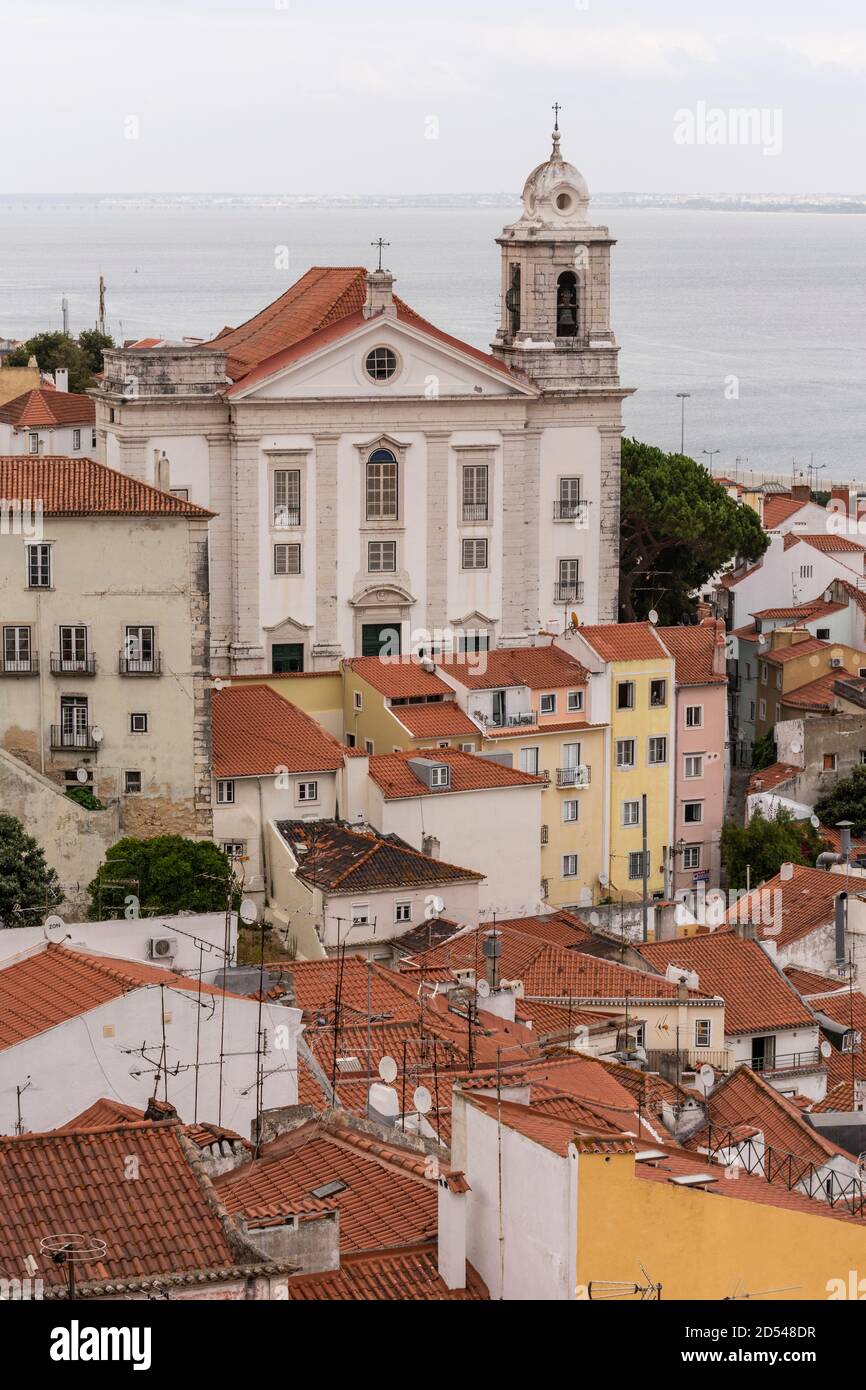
x,y
648,1292
69,1250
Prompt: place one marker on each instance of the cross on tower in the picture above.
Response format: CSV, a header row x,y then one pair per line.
x,y
556,108
380,245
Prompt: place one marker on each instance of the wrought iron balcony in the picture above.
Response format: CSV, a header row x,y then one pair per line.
x,y
286,517
19,665
572,511
140,665
574,776
72,665
79,738
787,1061
474,511
690,1058
568,593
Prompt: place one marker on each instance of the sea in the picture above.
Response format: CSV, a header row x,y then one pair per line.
x,y
760,317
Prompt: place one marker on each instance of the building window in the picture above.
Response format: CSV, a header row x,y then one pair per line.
x,y
694,765
829,762
76,439
566,305
225,793
625,695
569,588
287,498
863,755
34,442
751,711
360,914
529,761
382,498
73,648
763,673
570,811
474,554
17,650
703,1032
636,864
131,783
805,571
381,363
691,857
181,493
570,505
762,709
823,634
658,694
778,680
657,751
631,813
138,723
625,752
693,812
473,641
548,704
369,747
575,701
381,557
475,497
694,716
287,559
440,777
402,912
234,849
93,439
308,791
569,865
39,566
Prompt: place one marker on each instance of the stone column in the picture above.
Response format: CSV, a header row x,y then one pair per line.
x,y
133,457
608,537
521,487
247,651
437,615
220,551
326,649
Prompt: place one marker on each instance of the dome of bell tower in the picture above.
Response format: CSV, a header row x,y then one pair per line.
x,y
556,194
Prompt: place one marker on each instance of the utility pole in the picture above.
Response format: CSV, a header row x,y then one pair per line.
x,y
101,319
644,871
683,396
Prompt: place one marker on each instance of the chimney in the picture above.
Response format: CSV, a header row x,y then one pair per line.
x,y
380,294
801,492
720,649
451,1226
161,470
61,379
704,610
840,918
682,990
492,950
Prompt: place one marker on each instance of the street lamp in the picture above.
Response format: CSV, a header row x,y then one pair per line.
x,y
683,396
711,454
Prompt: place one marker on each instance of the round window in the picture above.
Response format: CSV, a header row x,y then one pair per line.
x,y
381,363
563,202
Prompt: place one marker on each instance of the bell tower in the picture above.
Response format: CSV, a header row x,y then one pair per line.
x,y
556,285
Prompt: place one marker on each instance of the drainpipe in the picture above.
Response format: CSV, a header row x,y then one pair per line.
x,y
828,857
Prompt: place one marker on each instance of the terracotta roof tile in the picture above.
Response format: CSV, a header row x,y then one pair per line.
x,y
806,612
817,695
744,1097
435,719
809,646
256,731
767,778
314,983
398,677
342,858
539,668
828,544
81,487
103,1112
779,509
396,780
806,903
624,641
808,982
43,408
693,649
404,1275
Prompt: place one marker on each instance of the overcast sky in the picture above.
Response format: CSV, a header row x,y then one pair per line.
x,y
315,96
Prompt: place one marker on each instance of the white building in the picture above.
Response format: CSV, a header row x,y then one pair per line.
x,y
49,420
378,482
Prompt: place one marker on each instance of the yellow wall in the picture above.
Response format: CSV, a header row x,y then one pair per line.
x,y
319,696
640,723
14,381
702,1246
797,671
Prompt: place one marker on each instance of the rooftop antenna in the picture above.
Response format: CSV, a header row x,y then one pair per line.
x,y
101,318
648,1292
64,309
69,1250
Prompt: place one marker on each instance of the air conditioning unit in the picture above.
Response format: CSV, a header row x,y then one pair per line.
x,y
836,661
162,947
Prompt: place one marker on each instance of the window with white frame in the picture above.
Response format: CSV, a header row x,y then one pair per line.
x,y
17,650
359,700
569,865
691,856
625,752
440,776
369,747
694,765
39,566
658,694
693,812
575,701
402,912
657,751
287,559
570,811
762,709
287,498
382,498
308,791
636,864
475,492
474,554
548,704
625,695
234,849
381,557
631,813
381,363
138,723
34,442
703,1032
360,914
569,588
225,792
529,761
76,440
694,716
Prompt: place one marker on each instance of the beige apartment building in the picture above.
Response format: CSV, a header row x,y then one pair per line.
x,y
103,663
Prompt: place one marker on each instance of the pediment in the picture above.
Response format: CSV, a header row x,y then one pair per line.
x,y
382,596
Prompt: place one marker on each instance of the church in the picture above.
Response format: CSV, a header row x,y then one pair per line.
x,y
380,486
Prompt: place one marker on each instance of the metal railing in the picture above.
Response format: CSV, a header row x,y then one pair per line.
x,y
78,738
72,665
140,665
571,511
795,1173
286,517
474,511
574,776
19,665
786,1061
568,593
689,1058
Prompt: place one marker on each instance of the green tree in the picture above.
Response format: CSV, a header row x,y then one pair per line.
x,y
677,527
53,350
28,887
763,846
93,345
167,874
764,751
847,801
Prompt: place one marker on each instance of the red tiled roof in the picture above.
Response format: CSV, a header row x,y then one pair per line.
x,y
624,641
559,928
757,996
394,777
539,668
730,581
744,1097
54,984
46,408
693,649
847,1008
342,858
808,982
256,731
748,633
829,543
841,1097
398,677
408,1275
818,694
81,487
436,719
767,778
806,902
778,508
809,646
807,612
549,1131
315,984
103,1112
78,1181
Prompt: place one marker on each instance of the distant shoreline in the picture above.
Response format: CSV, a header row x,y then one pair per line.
x,y
681,202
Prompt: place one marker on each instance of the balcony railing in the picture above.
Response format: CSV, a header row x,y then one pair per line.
x,y
286,517
571,511
574,776
78,738
140,665
568,593
72,665
787,1061
474,511
657,1059
19,665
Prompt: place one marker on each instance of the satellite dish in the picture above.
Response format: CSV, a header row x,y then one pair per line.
x,y
483,989
54,928
218,683
248,911
594,919
388,1069
653,616
786,873
384,1100
81,774
814,822
796,748
422,1100
706,1079
826,1049
97,733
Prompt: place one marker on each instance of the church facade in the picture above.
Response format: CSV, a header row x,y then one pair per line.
x,y
380,486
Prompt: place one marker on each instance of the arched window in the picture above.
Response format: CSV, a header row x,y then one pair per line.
x,y
512,300
566,305
381,486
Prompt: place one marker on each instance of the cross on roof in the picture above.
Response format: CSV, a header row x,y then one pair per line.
x,y
380,245
556,108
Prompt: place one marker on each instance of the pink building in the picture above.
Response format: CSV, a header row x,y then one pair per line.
x,y
700,750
